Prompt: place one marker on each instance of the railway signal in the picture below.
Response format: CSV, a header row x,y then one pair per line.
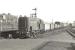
x,y
35,9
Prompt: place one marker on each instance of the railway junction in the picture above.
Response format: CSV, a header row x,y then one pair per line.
x,y
54,40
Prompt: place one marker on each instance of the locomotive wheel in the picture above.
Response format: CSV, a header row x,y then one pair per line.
x,y
22,36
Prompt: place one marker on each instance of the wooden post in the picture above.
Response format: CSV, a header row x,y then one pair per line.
x,y
50,26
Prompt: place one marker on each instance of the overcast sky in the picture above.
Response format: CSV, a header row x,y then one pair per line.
x,y
58,10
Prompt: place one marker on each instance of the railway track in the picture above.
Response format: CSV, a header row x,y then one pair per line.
x,y
62,43
71,32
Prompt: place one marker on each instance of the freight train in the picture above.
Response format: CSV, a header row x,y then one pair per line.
x,y
18,27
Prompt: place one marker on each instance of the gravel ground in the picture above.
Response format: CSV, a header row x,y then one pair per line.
x,y
56,40
58,46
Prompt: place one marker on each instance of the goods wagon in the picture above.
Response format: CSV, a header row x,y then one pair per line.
x,y
8,24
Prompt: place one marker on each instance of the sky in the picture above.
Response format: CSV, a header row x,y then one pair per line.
x,y
47,10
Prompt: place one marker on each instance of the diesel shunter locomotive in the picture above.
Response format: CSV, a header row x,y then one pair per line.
x,y
17,27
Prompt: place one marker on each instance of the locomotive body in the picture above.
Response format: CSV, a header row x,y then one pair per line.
x,y
22,27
